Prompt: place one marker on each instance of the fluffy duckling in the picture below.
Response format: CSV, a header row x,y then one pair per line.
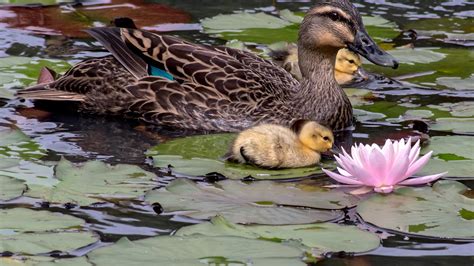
x,y
275,146
348,67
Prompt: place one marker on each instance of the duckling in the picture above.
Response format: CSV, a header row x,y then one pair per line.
x,y
274,146
348,67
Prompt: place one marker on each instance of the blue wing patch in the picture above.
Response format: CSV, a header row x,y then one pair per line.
x,y
157,72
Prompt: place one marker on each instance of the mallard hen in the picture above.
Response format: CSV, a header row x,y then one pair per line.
x,y
167,81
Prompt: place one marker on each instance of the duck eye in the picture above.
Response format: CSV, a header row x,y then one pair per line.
x,y
351,61
334,16
326,138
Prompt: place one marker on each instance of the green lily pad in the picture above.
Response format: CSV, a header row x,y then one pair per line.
x,y
93,182
43,261
451,153
243,20
195,250
29,172
455,125
412,56
200,155
262,28
22,71
459,109
318,238
438,211
455,64
26,231
457,83
15,144
11,188
263,202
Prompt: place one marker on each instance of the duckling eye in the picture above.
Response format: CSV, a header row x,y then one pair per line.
x,y
334,16
326,138
351,61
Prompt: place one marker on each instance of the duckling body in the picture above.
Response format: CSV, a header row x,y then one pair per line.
x,y
348,68
275,146
170,82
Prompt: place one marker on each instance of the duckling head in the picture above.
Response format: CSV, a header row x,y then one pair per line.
x,y
313,135
348,68
334,24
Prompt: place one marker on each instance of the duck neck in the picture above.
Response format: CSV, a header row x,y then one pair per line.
x,y
320,97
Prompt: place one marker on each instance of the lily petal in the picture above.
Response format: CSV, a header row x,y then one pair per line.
x,y
422,180
342,179
417,165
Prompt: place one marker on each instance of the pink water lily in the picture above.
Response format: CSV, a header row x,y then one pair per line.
x,y
382,169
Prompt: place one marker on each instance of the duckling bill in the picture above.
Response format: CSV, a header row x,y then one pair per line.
x,y
274,146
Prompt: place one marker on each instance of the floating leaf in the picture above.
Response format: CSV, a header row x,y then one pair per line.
x,y
459,164
43,261
31,173
195,250
321,237
455,125
263,28
429,211
457,83
22,71
263,202
11,188
15,144
200,155
417,55
460,109
30,232
93,182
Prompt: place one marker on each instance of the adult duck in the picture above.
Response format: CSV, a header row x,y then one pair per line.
x,y
167,81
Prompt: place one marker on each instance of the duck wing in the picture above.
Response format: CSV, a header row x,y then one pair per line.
x,y
213,88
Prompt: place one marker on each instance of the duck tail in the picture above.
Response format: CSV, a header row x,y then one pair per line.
x,y
44,93
42,90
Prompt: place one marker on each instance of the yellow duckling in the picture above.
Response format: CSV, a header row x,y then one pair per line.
x,y
275,146
348,67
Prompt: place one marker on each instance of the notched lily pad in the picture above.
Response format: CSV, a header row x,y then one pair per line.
x,y
93,182
430,211
26,231
11,188
263,202
455,125
43,261
316,238
200,155
196,250
458,109
15,144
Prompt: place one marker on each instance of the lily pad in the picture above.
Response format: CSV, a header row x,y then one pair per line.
x,y
26,231
263,202
411,56
457,83
195,250
459,109
93,182
200,155
455,125
43,261
438,211
454,154
22,71
320,238
263,28
29,172
15,144
11,188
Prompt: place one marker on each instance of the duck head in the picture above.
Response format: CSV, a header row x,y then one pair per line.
x,y
334,24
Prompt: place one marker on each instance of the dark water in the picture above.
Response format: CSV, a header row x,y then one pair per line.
x,y
82,137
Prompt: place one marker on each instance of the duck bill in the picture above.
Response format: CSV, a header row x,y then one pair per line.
x,y
365,46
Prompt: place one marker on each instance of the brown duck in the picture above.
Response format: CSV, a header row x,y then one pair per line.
x,y
167,81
